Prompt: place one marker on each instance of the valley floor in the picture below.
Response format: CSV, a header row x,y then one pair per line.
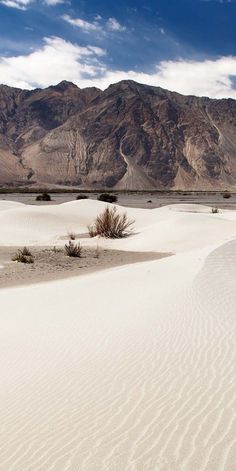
x,y
130,368
139,199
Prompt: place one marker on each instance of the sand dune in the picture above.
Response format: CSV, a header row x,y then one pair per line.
x,y
128,369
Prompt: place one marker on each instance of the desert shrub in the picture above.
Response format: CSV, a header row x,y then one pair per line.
x,y
25,251
108,198
214,210
227,194
71,235
23,256
43,197
81,197
73,250
111,224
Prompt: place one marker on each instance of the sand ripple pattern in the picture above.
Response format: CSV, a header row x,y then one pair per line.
x,y
102,382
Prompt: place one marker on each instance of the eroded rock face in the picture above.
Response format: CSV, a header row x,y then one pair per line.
x,y
130,136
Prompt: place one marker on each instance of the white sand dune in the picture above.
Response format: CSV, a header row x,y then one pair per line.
x,y
129,369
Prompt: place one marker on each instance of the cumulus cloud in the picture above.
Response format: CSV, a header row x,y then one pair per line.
x,y
58,60
211,78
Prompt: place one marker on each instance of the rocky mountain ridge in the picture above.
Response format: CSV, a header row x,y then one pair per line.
x,y
130,136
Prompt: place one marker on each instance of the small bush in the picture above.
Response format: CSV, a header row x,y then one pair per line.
x,y
71,235
23,256
25,251
81,197
108,198
73,250
214,210
111,224
227,194
43,197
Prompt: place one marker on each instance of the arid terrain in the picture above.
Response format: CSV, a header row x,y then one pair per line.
x,y
130,136
145,200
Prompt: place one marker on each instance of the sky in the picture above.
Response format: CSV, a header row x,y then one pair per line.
x,y
188,46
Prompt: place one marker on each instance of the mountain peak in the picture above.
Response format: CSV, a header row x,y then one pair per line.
x,y
63,85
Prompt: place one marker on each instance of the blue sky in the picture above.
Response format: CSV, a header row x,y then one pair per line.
x,y
184,45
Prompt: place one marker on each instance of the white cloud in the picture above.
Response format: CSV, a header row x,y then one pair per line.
x,y
95,26
19,4
60,60
84,25
202,78
24,4
114,25
52,3
55,61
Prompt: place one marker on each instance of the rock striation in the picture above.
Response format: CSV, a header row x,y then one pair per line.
x,y
130,136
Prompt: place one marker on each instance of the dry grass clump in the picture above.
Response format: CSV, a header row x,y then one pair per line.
x,y
111,224
23,256
71,235
73,250
214,210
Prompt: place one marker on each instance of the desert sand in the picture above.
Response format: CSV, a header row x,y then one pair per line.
x,y
51,263
129,368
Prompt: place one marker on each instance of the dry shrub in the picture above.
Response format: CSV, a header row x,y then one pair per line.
x,y
81,197
214,210
227,194
73,250
111,224
71,235
43,197
23,256
108,198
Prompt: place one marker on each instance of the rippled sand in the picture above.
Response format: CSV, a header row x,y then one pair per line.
x,y
127,369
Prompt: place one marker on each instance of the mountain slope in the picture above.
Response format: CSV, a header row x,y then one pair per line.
x,y
130,136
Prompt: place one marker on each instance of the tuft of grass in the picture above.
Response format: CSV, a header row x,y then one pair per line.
x,y
25,251
71,235
214,210
111,225
73,250
23,256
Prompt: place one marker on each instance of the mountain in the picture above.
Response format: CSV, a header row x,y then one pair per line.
x,y
130,136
